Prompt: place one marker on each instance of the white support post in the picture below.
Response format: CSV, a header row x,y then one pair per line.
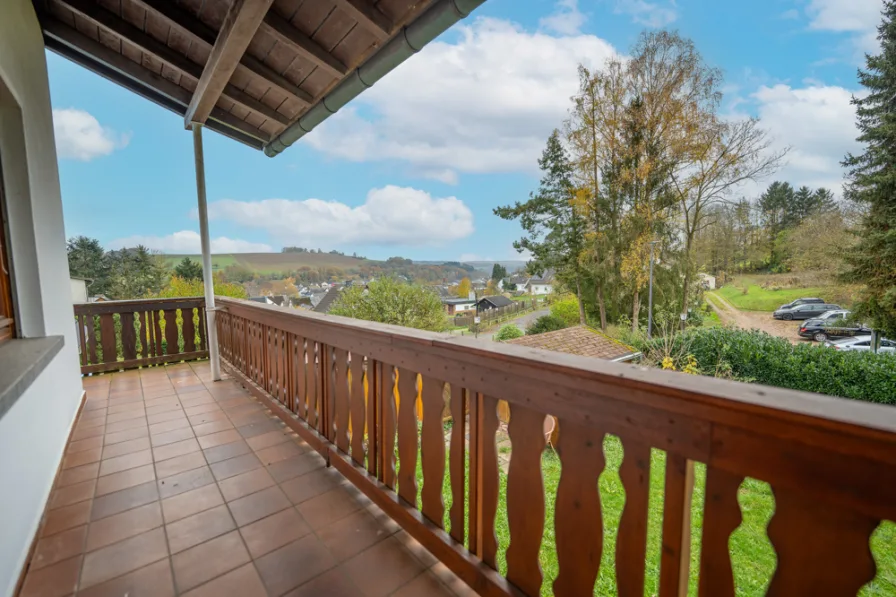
x,y
212,330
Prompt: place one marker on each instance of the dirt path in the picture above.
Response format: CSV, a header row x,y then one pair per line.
x,y
753,320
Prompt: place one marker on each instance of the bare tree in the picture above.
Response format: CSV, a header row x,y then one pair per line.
x,y
724,155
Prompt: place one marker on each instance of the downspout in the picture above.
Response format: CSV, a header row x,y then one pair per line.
x,y
410,40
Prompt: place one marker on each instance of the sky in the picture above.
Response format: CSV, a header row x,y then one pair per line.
x,y
416,164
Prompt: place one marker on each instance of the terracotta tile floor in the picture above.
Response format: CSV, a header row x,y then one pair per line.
x,y
174,485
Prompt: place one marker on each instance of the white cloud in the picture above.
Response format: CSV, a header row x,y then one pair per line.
x,y
79,136
567,19
817,122
857,17
390,216
188,241
650,14
844,15
486,103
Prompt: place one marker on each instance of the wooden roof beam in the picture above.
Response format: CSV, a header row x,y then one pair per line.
x,y
200,33
239,27
285,32
134,76
368,17
150,45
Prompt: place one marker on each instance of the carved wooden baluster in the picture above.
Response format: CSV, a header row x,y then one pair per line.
x,y
358,409
432,450
283,394
525,498
486,488
203,328
171,332
128,337
157,332
456,464
577,516
298,376
107,338
190,332
374,427
81,322
823,548
631,542
407,435
721,516
387,468
676,553
311,383
341,416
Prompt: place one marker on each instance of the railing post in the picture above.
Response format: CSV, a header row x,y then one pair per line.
x,y
212,333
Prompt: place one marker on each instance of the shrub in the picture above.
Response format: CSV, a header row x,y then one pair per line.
x,y
546,323
567,309
508,332
758,357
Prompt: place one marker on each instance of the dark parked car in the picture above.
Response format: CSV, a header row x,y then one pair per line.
x,y
822,330
801,301
804,311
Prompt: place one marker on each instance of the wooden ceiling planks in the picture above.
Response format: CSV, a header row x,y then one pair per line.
x,y
301,50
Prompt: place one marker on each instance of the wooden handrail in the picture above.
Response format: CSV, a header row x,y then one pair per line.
x,y
830,462
115,335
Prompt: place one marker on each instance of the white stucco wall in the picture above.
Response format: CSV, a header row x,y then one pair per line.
x,y
540,288
34,431
79,290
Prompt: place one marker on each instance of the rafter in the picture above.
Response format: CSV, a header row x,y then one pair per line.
x,y
240,25
368,17
110,64
198,32
150,45
284,31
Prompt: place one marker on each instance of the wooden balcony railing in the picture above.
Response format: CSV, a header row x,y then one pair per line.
x,y
115,335
357,391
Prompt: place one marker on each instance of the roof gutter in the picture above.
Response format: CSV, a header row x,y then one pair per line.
x,y
410,40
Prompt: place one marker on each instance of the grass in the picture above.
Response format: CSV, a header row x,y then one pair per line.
x,y
764,299
753,556
711,319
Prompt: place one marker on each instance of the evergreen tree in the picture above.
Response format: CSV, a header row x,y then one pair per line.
x,y
87,259
871,180
188,269
554,230
499,272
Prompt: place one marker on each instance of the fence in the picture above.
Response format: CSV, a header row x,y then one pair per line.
x,y
492,316
357,391
115,335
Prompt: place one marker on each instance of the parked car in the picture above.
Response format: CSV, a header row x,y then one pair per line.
x,y
862,344
805,311
801,301
835,314
822,330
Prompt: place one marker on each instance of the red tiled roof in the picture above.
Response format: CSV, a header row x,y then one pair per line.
x,y
581,340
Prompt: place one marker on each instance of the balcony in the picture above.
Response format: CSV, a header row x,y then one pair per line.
x,y
342,457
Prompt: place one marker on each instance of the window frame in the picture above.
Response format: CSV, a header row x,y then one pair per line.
x,y
8,310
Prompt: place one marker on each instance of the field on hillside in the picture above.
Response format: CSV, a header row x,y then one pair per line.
x,y
767,292
267,263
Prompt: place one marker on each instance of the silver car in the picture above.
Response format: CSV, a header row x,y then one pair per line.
x,y
862,344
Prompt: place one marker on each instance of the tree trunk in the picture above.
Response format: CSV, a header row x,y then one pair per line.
x,y
581,304
684,295
602,308
636,309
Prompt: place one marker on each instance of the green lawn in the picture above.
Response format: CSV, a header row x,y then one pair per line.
x,y
753,556
762,299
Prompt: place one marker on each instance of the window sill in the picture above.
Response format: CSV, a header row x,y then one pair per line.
x,y
21,361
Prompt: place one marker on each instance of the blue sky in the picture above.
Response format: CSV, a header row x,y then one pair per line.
x,y
415,166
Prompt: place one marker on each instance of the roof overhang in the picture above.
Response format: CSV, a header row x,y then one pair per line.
x,y
262,72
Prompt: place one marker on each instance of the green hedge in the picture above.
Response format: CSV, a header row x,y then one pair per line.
x,y
758,357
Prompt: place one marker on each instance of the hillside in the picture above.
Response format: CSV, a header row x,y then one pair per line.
x,y
269,263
